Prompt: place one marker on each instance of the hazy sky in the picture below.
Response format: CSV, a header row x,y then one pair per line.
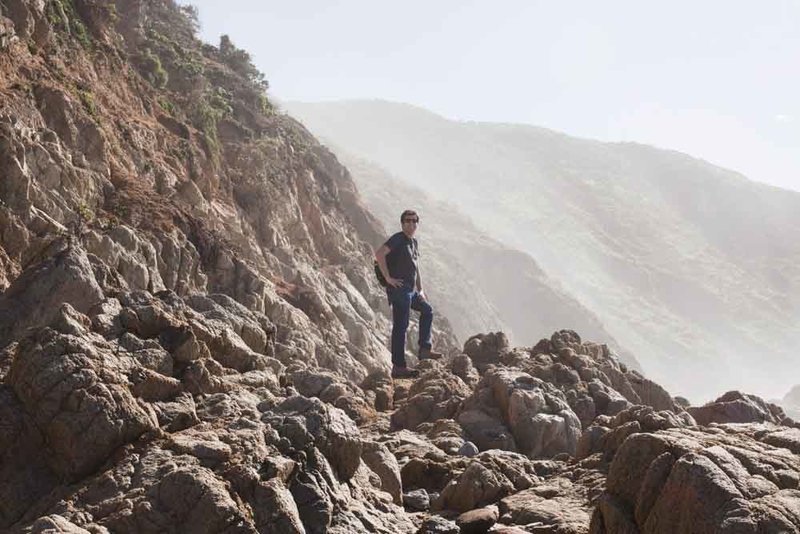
x,y
717,79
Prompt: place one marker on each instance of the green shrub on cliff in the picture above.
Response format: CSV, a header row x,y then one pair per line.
x,y
150,65
240,62
63,16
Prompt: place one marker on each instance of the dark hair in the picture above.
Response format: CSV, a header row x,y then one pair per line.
x,y
406,213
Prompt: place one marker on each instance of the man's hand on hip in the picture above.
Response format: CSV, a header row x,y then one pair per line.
x,y
394,282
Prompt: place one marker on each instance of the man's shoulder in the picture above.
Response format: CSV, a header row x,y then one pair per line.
x,y
396,239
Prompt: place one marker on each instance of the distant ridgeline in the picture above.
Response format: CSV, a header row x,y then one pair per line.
x,y
692,268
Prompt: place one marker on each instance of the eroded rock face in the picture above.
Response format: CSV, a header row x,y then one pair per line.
x,y
607,434
183,437
435,395
535,413
34,298
486,349
746,484
128,419
78,397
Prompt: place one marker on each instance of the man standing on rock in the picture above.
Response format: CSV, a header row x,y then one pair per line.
x,y
397,259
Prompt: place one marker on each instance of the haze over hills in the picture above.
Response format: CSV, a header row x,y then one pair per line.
x,y
692,267
465,271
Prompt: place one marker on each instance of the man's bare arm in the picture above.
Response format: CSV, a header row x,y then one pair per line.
x,y
419,284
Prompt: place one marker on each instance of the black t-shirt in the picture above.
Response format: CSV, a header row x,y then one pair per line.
x,y
402,258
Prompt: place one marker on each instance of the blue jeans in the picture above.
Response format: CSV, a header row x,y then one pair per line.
x,y
403,300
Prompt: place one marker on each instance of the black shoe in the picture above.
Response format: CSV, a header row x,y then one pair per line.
x,y
404,372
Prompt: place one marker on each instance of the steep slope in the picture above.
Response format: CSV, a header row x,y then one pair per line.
x,y
478,283
691,267
163,159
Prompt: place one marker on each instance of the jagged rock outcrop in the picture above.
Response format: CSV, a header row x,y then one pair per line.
x,y
737,407
126,420
436,395
174,254
557,389
536,413
606,434
726,478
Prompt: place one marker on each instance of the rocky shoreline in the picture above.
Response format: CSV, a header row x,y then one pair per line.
x,y
191,339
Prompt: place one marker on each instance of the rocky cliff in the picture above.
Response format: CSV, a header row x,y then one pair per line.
x,y
190,338
161,162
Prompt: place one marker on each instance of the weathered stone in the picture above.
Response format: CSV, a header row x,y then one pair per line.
x,y
383,463
486,349
561,513
477,486
36,296
700,480
477,521
468,449
417,500
535,412
438,525
434,395
734,407
79,400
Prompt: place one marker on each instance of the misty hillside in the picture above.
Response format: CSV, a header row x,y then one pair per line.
x,y
692,267
478,283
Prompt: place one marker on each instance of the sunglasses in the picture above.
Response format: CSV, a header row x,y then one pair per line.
x,y
411,220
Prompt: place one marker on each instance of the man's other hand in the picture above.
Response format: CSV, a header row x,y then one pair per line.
x,y
394,282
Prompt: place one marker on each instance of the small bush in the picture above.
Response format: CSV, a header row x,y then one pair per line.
x,y
265,105
167,106
87,99
220,101
152,69
85,212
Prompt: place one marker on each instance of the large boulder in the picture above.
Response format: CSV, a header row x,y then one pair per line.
x,y
485,479
737,407
78,396
306,421
561,512
477,486
486,349
728,479
606,434
36,296
437,394
536,413
383,463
